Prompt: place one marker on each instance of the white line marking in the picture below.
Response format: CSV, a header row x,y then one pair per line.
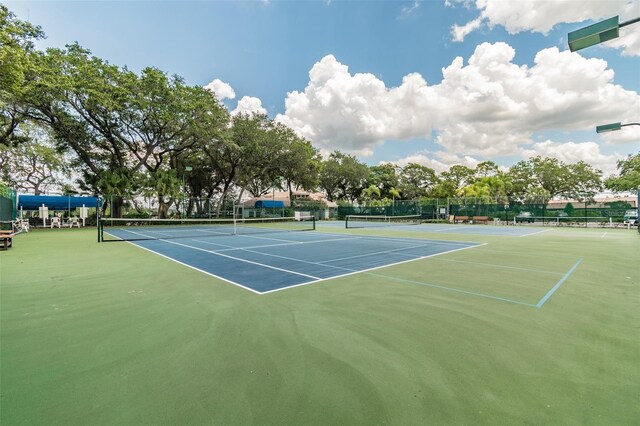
x,y
239,259
370,269
194,268
404,240
262,238
503,266
444,229
372,254
283,245
314,279
227,246
290,243
534,233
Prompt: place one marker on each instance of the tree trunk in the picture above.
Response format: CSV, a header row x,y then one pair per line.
x,y
115,206
163,207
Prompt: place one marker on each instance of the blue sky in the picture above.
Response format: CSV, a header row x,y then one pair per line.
x,y
377,87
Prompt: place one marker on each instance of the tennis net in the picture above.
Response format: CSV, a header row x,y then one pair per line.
x,y
363,221
160,229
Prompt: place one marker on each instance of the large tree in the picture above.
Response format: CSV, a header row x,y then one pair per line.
x,y
342,177
118,123
628,178
16,43
384,177
488,182
489,188
554,178
416,181
34,165
452,180
261,149
298,162
16,70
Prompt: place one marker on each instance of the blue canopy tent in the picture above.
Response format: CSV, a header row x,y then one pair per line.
x,y
269,204
55,202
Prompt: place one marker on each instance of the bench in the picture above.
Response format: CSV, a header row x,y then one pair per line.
x,y
6,238
481,219
461,219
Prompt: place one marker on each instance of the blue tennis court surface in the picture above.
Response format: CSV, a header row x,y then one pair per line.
x,y
448,228
269,262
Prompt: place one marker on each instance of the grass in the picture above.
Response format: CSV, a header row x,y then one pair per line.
x,y
107,334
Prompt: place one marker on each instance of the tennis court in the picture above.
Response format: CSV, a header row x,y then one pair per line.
x,y
445,228
265,255
262,258
494,329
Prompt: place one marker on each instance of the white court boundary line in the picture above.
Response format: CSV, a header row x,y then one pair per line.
x,y
371,254
353,272
324,263
290,243
193,267
534,233
493,265
313,278
240,260
403,239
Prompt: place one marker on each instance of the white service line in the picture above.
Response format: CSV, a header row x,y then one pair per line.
x,y
353,272
194,268
241,260
292,243
534,233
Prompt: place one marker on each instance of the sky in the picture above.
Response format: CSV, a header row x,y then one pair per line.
x,y
431,82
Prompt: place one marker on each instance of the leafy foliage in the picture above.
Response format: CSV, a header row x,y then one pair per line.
x,y
342,177
629,177
553,177
127,133
16,70
34,165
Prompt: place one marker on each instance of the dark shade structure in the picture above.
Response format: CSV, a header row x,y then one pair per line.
x,y
269,204
55,202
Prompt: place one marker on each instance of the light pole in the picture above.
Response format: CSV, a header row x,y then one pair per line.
x,y
597,33
184,189
613,127
277,181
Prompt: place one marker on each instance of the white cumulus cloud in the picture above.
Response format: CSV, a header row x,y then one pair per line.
x,y
249,105
459,32
572,152
356,112
439,161
221,90
542,15
628,133
488,107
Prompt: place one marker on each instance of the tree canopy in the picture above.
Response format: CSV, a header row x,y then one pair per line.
x,y
65,112
629,177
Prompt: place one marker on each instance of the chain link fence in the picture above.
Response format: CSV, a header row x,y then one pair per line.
x,y
503,209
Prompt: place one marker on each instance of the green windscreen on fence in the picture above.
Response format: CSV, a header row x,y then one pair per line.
x,y
506,209
8,204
